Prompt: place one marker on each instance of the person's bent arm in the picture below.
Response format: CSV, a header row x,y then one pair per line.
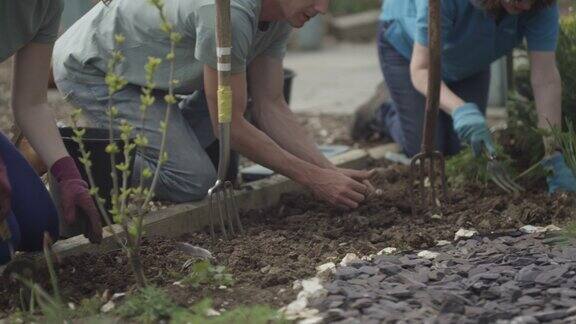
x,y
419,66
547,87
273,116
251,142
32,114
29,103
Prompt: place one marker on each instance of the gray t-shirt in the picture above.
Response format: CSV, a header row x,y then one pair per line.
x,y
83,52
27,21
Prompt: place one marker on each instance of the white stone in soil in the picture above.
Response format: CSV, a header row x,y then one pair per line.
x,y
110,305
530,229
297,285
295,308
428,255
436,216
552,228
265,269
312,288
326,268
179,284
387,251
464,234
118,296
368,257
443,243
349,259
312,320
211,312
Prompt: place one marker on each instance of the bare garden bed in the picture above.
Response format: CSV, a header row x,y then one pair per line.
x,y
288,241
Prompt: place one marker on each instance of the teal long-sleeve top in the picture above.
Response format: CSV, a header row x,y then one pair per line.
x,y
471,38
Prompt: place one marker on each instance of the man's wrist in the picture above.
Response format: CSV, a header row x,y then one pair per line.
x,y
305,173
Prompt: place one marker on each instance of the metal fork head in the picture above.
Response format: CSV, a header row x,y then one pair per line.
x,y
500,176
222,208
427,166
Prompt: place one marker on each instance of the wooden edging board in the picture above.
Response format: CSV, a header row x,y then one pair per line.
x,y
180,219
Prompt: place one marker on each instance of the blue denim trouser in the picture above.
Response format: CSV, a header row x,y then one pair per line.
x,y
188,173
33,211
403,118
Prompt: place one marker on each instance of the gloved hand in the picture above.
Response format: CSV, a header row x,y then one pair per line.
x,y
75,198
5,192
561,177
470,125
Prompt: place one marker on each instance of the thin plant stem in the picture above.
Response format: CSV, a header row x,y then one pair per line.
x,y
164,131
51,271
99,201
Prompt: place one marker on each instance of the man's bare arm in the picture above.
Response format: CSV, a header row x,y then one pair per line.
x,y
251,142
273,116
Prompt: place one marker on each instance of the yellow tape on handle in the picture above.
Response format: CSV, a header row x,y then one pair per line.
x,y
224,104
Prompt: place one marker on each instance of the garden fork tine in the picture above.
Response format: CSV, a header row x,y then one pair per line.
x,y
221,199
500,176
428,156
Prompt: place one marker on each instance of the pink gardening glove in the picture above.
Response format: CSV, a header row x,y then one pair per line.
x,y
75,198
5,192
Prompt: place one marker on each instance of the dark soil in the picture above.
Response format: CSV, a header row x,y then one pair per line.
x,y
288,241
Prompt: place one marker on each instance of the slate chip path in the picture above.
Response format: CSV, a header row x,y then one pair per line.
x,y
516,279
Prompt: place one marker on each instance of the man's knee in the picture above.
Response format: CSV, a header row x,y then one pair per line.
x,y
182,187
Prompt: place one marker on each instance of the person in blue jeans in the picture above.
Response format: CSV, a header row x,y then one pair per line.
x,y
475,33
28,30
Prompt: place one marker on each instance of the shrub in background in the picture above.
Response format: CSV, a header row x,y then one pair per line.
x,y
566,56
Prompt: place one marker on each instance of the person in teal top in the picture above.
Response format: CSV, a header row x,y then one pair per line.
x,y
475,33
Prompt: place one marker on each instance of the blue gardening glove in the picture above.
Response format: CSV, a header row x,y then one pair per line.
x,y
561,177
470,125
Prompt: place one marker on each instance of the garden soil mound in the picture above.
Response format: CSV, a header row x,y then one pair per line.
x,y
286,242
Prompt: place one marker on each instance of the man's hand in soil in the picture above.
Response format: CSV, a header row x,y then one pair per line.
x,y
365,177
470,125
561,177
5,192
75,198
358,175
338,189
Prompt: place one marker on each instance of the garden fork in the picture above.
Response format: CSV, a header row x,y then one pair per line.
x,y
428,156
500,176
221,201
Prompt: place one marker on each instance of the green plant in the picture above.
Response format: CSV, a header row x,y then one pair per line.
x,y
130,202
463,168
204,273
521,139
257,314
567,142
51,306
149,305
